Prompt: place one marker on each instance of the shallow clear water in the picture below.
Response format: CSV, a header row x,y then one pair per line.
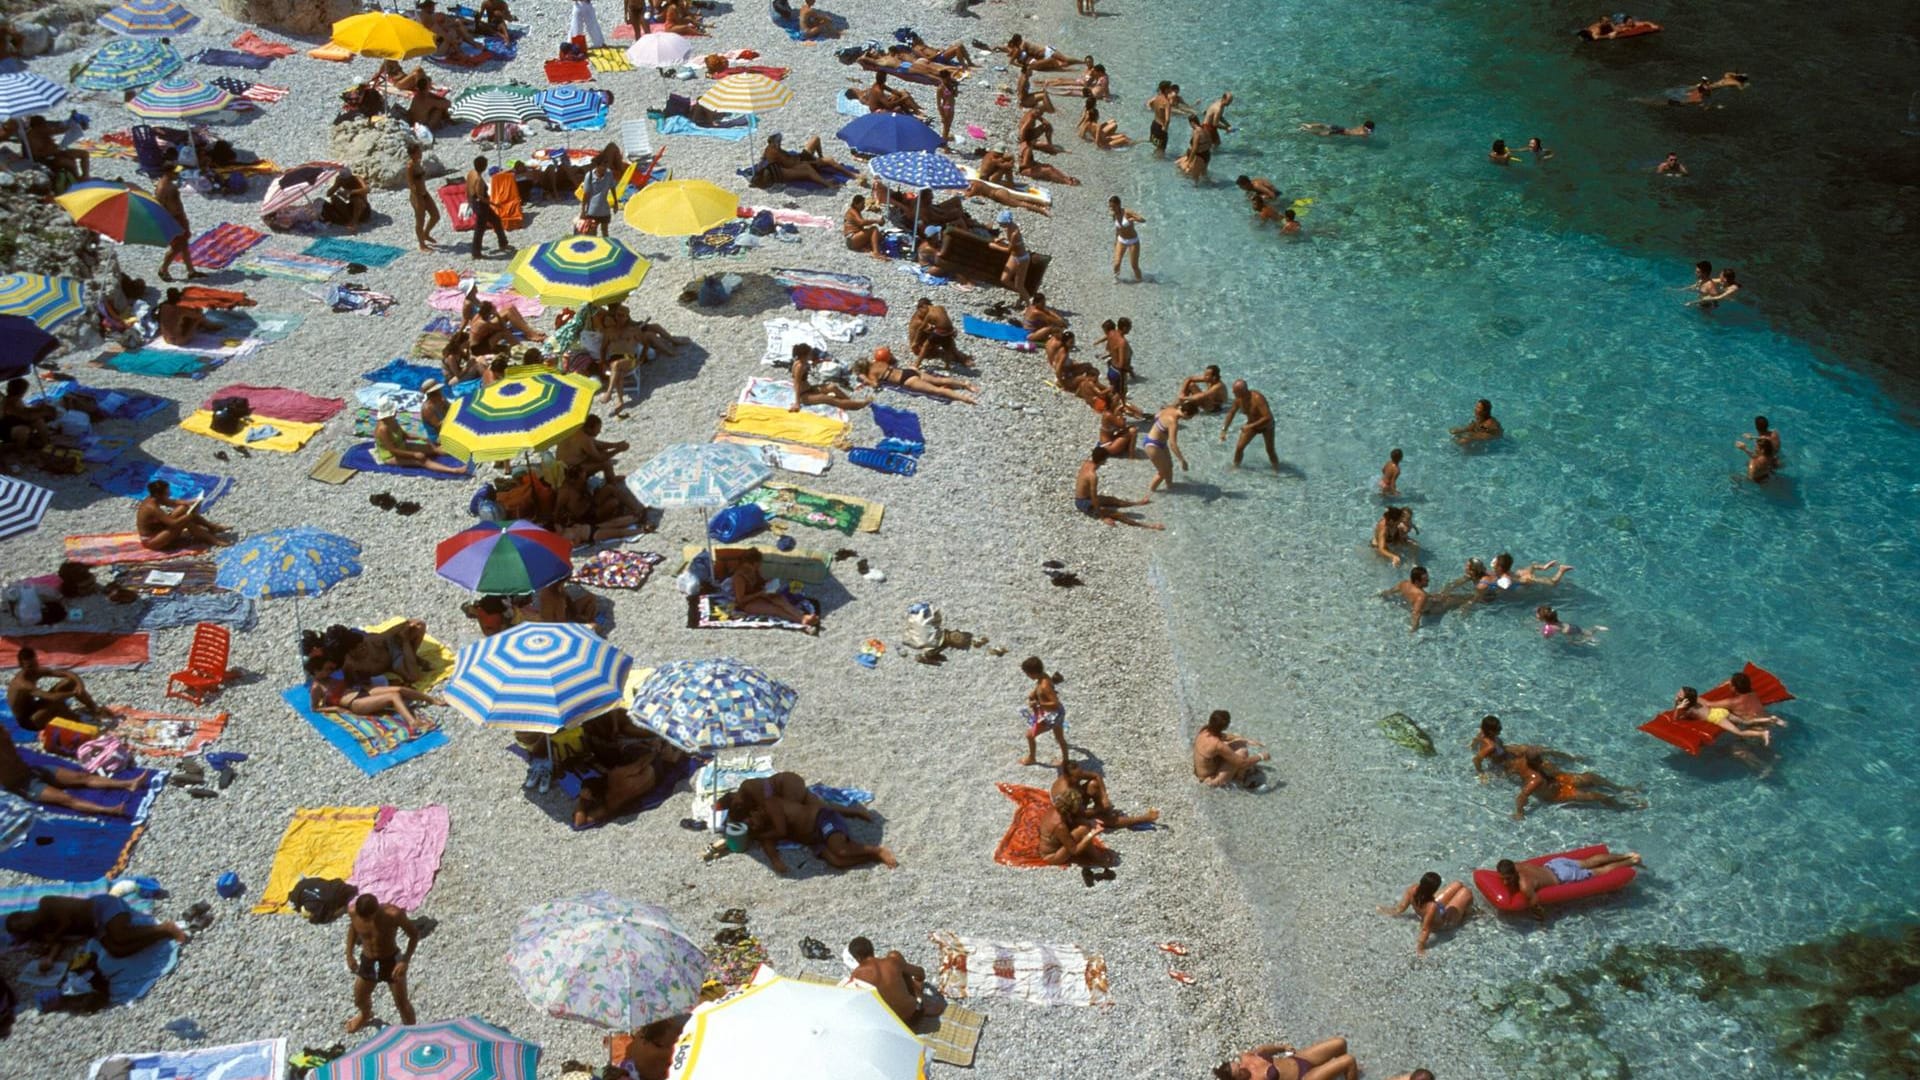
x,y
1430,278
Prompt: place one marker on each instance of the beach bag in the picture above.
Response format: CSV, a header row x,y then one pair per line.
x,y
737,523
923,626
230,415
762,224
321,900
65,737
104,756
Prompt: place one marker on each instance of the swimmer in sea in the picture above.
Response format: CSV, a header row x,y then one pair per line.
x,y
1363,130
1488,748
1257,188
1289,223
1538,149
1747,722
1700,91
1394,529
1716,290
1390,474
1763,459
1550,625
1702,276
1438,908
1763,431
1670,167
1414,592
1105,508
1500,155
1482,428
1505,576
1539,778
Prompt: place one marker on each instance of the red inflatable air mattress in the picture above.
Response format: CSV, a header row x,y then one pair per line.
x,y
1693,735
1495,890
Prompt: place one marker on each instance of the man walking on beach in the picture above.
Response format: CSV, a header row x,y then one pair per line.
x,y
480,199
372,926
167,194
1259,422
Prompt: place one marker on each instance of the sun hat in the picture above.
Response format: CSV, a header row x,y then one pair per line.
x,y
388,410
430,386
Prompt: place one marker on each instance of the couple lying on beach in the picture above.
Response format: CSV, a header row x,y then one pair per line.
x,y
780,808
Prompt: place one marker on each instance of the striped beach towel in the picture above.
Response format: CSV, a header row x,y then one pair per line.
x,y
790,278
106,549
609,58
216,248
251,91
156,734
287,264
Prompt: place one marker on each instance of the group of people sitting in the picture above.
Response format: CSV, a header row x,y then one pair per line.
x,y
368,673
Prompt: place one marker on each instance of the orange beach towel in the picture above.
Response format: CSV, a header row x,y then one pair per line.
x,y
1021,845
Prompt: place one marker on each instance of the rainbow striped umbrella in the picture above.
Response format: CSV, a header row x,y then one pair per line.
x,y
504,560
538,677
149,19
119,212
518,414
126,63
178,98
578,270
47,300
464,1049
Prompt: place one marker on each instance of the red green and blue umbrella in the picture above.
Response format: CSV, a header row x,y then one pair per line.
x,y
119,212
464,1049
504,560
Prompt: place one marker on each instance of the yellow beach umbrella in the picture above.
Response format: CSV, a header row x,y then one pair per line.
x,y
520,413
681,208
578,270
383,36
747,92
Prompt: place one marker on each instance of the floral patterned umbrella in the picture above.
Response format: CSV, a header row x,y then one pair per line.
x,y
608,961
712,704
698,474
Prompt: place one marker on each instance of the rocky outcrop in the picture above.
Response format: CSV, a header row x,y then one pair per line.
x,y
37,237
376,151
55,28
311,18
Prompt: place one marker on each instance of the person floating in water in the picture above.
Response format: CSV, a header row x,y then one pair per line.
x,y
1670,166
1359,131
1394,529
1550,784
1482,428
1500,155
1527,879
1489,749
1551,625
1437,908
1414,592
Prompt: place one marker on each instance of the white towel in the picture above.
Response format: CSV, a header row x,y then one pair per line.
x,y
784,333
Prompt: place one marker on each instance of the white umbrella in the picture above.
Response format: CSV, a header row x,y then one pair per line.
x,y
662,50
798,1031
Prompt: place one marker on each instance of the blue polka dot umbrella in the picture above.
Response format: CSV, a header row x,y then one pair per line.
x,y
149,19
538,677
300,561
465,1049
712,704
919,169
128,63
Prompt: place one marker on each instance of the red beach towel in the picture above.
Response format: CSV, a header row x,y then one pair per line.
x,y
454,197
569,71
107,549
79,650
1021,845
216,248
280,403
254,45
818,298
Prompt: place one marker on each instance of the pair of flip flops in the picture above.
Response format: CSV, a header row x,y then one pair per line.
x,y
1058,575
385,501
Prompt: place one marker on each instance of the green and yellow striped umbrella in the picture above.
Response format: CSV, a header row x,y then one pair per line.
x,y
578,270
518,414
47,300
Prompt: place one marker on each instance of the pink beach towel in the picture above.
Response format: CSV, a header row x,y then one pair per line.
x,y
402,854
254,45
451,299
280,403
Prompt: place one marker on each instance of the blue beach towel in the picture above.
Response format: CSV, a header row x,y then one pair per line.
x,y
116,404
129,978
333,730
360,457
159,363
130,479
231,58
268,326
993,331
901,428
353,251
65,846
680,125
405,375
842,796
868,457
10,728
191,609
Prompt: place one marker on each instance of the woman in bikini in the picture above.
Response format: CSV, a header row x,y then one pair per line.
x,y
1162,444
1116,435
1394,529
879,370
1438,908
330,695
1324,1060
1126,238
862,232
751,596
1019,259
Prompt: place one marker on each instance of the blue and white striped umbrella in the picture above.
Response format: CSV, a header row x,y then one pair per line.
x,y
22,505
698,474
920,169
712,704
24,93
127,63
149,19
538,677
574,108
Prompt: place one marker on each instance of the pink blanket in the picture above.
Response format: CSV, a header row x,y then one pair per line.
x,y
402,854
451,299
799,219
280,403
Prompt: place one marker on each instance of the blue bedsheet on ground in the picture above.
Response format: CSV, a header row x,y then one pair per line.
x,y
360,457
130,478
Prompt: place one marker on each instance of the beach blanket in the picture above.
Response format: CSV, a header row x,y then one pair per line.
x,y
280,436
17,815
130,479
114,404
331,52
782,426
429,346
791,277
714,613
453,196
80,650
165,735
265,1059
328,469
341,249
271,262
216,248
261,93
805,460
211,343
452,299
681,125
208,298
783,334
1034,972
815,509
404,375
254,45
1005,333
232,58
67,846
228,609
900,426
817,298
402,854
361,457
196,577
719,240
717,777
157,363
849,106
609,58
105,549
799,219
1021,844
373,744
569,779
568,71
321,842
617,568
266,327
504,193
801,564
280,403
778,393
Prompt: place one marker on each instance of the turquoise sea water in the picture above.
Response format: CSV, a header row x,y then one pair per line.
x,y
1430,278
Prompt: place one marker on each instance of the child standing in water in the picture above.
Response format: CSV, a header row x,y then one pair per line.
x,y
1044,712
1390,474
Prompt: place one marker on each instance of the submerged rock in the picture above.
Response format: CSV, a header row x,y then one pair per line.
x,y
1401,729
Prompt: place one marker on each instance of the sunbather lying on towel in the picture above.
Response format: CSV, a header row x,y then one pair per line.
x,y
586,514
880,97
821,826
954,55
811,164
1021,52
630,759
34,706
1018,200
50,785
331,695
403,448
880,370
1025,165
59,921
165,523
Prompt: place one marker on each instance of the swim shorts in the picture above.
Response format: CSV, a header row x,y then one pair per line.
x,y
377,968
1037,723
829,821
1568,871
106,908
1157,134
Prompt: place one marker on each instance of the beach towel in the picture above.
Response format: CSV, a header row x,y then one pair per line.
x,y
105,549
504,193
328,469
213,343
265,1059
1034,972
436,659
331,52
402,854
1005,333
568,71
868,457
429,346
900,426
280,403
453,196
130,479
231,58
68,846
157,363
404,375
80,650
719,240
617,569
227,609
783,426
266,327
842,796
171,575
816,298
717,777
1021,844
271,262
165,735
805,460
783,334
681,125
799,219
791,277
957,1038
608,58
373,744
848,106
216,248
280,436
714,613
801,564
254,45
360,457
815,509
452,299
778,393
320,842
113,404
570,778
27,897
252,91
341,249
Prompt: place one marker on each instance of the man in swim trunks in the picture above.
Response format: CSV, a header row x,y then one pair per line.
x,y
1105,508
1257,187
371,926
900,984
824,828
1526,879
165,523
1390,473
402,448
34,708
59,921
49,785
1259,423
1414,592
1220,759
1205,391
931,336
1119,353
1551,785
1482,428
1361,131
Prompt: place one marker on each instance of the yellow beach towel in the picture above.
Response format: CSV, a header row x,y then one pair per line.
x,y
292,433
781,425
320,842
436,660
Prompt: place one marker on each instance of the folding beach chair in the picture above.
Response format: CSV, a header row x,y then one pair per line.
x,y
206,668
146,148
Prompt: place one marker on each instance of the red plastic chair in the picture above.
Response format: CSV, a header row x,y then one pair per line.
x,y
206,669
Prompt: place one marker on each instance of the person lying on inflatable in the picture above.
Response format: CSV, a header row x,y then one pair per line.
x,y
1618,26
1743,714
1524,881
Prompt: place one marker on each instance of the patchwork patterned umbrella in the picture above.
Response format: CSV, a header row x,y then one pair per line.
x,y
22,505
47,300
573,107
889,133
680,208
607,961
747,92
300,561
23,93
919,169
800,1031
178,98
659,50
712,704
383,36
126,63
578,270
698,474
297,185
496,104
538,677
519,414
149,19
22,345
465,1049
119,212
509,560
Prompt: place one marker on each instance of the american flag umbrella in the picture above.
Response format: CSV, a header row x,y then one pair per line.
x,y
178,98
126,63
572,107
22,345
465,1049
297,185
46,299
538,677
149,19
22,505
712,704
23,93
